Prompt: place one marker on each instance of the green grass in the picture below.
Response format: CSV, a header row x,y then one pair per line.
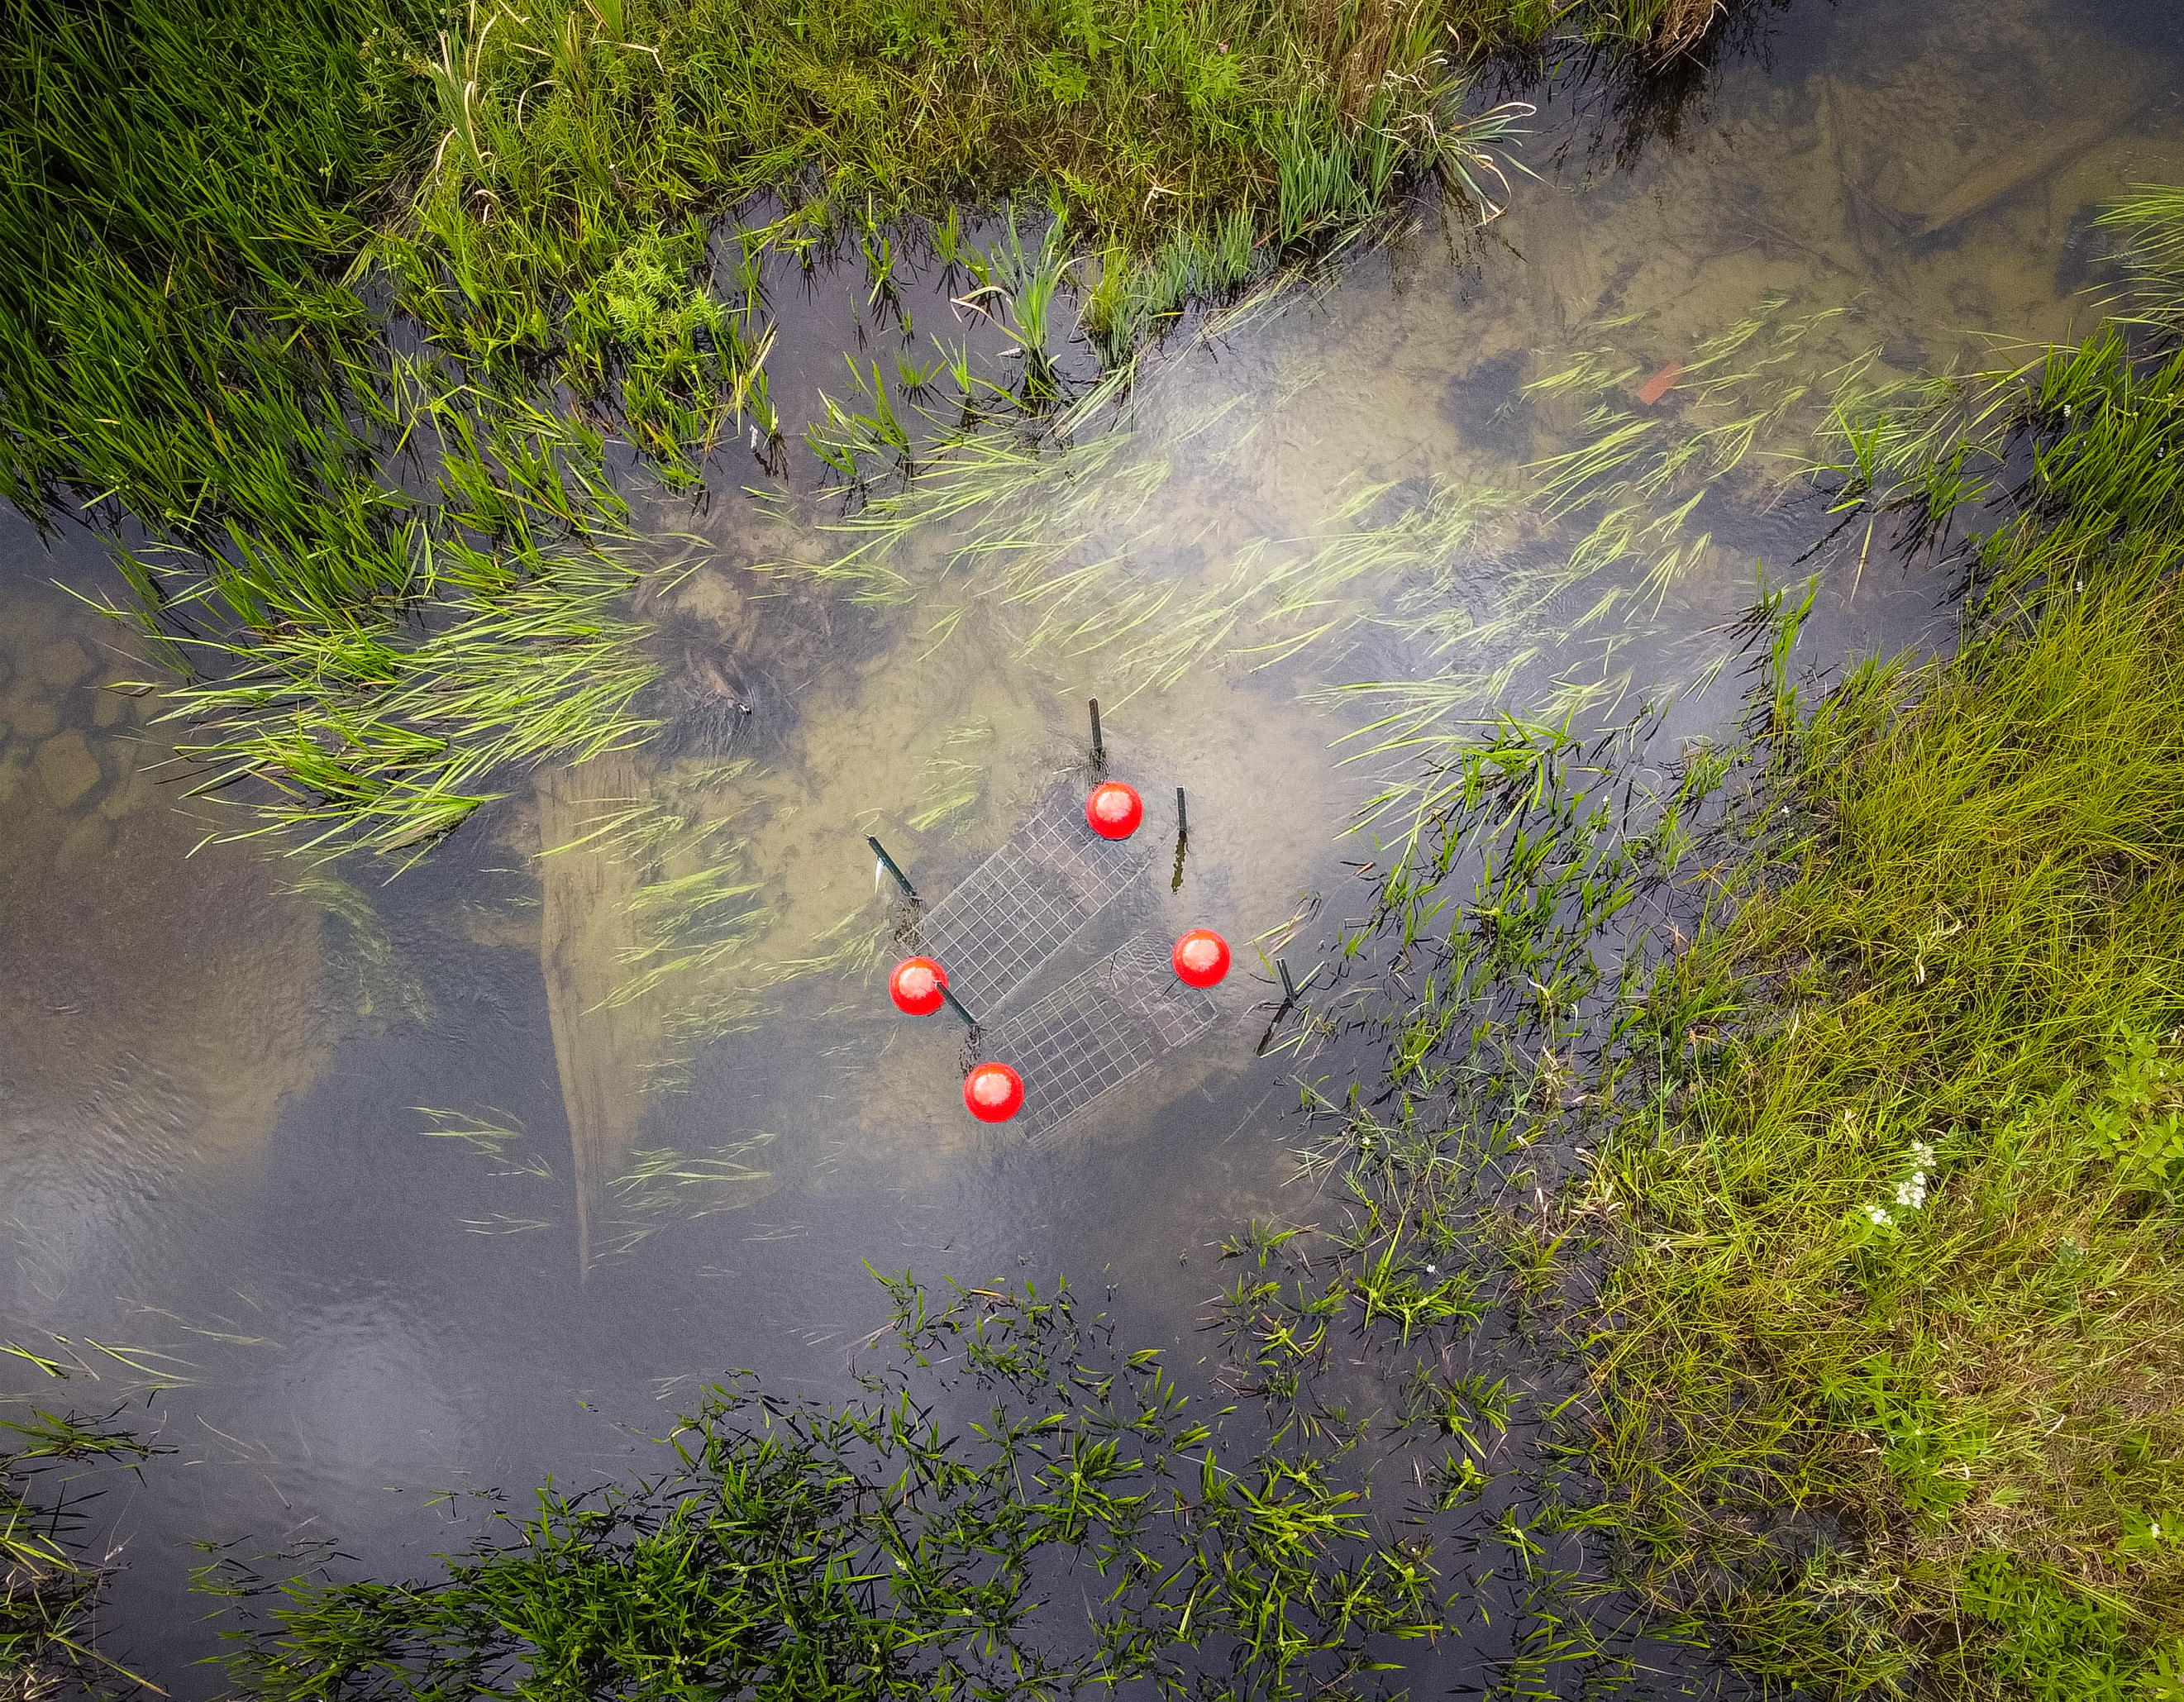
x,y
901,1544
1896,1207
180,187
222,222
1813,1104
49,1586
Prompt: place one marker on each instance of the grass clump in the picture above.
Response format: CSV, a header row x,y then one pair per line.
x,y
180,187
49,1587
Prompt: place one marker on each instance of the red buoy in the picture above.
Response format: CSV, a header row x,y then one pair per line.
x,y
994,1092
1114,809
915,985
1200,957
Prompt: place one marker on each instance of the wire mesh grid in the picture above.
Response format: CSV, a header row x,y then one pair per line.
x,y
1089,1036
1024,903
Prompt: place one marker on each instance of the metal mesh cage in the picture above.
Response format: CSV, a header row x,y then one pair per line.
x,y
1024,903
1089,1036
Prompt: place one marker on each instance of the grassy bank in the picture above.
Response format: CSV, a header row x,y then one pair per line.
x,y
1186,148
255,259
1889,1343
1888,1348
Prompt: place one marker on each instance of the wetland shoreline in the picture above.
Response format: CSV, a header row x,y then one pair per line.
x,y
1850,1266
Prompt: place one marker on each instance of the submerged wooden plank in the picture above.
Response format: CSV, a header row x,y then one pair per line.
x,y
602,1051
2037,157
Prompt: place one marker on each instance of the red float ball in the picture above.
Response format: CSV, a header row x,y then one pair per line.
x,y
1114,809
915,985
994,1092
1200,957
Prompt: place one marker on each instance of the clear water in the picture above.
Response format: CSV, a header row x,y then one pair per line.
x,y
212,1066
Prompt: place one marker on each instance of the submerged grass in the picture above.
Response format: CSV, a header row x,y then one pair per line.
x,y
901,1544
1066,538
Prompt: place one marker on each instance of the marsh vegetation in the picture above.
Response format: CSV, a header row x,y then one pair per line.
x,y
322,300
1808,1102
902,1544
49,1583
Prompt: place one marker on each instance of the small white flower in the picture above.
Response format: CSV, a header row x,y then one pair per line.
x,y
1878,1215
1919,1177
1431,1270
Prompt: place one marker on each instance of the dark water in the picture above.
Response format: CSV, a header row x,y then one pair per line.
x,y
217,1071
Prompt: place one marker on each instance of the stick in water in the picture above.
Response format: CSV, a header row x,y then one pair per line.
x,y
1098,750
892,868
1182,839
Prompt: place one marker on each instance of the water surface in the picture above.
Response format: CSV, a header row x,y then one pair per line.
x,y
220,1076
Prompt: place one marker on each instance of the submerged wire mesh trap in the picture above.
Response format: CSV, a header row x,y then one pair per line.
x,y
1089,1036
1026,902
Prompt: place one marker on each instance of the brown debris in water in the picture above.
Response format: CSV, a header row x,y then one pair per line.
x,y
1660,384
1684,24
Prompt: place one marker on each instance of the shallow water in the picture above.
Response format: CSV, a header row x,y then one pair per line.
x,y
218,1073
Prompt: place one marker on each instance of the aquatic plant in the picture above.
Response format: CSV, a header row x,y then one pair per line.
x,y
375,738
663,1186
49,1586
889,1547
1063,531
363,953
